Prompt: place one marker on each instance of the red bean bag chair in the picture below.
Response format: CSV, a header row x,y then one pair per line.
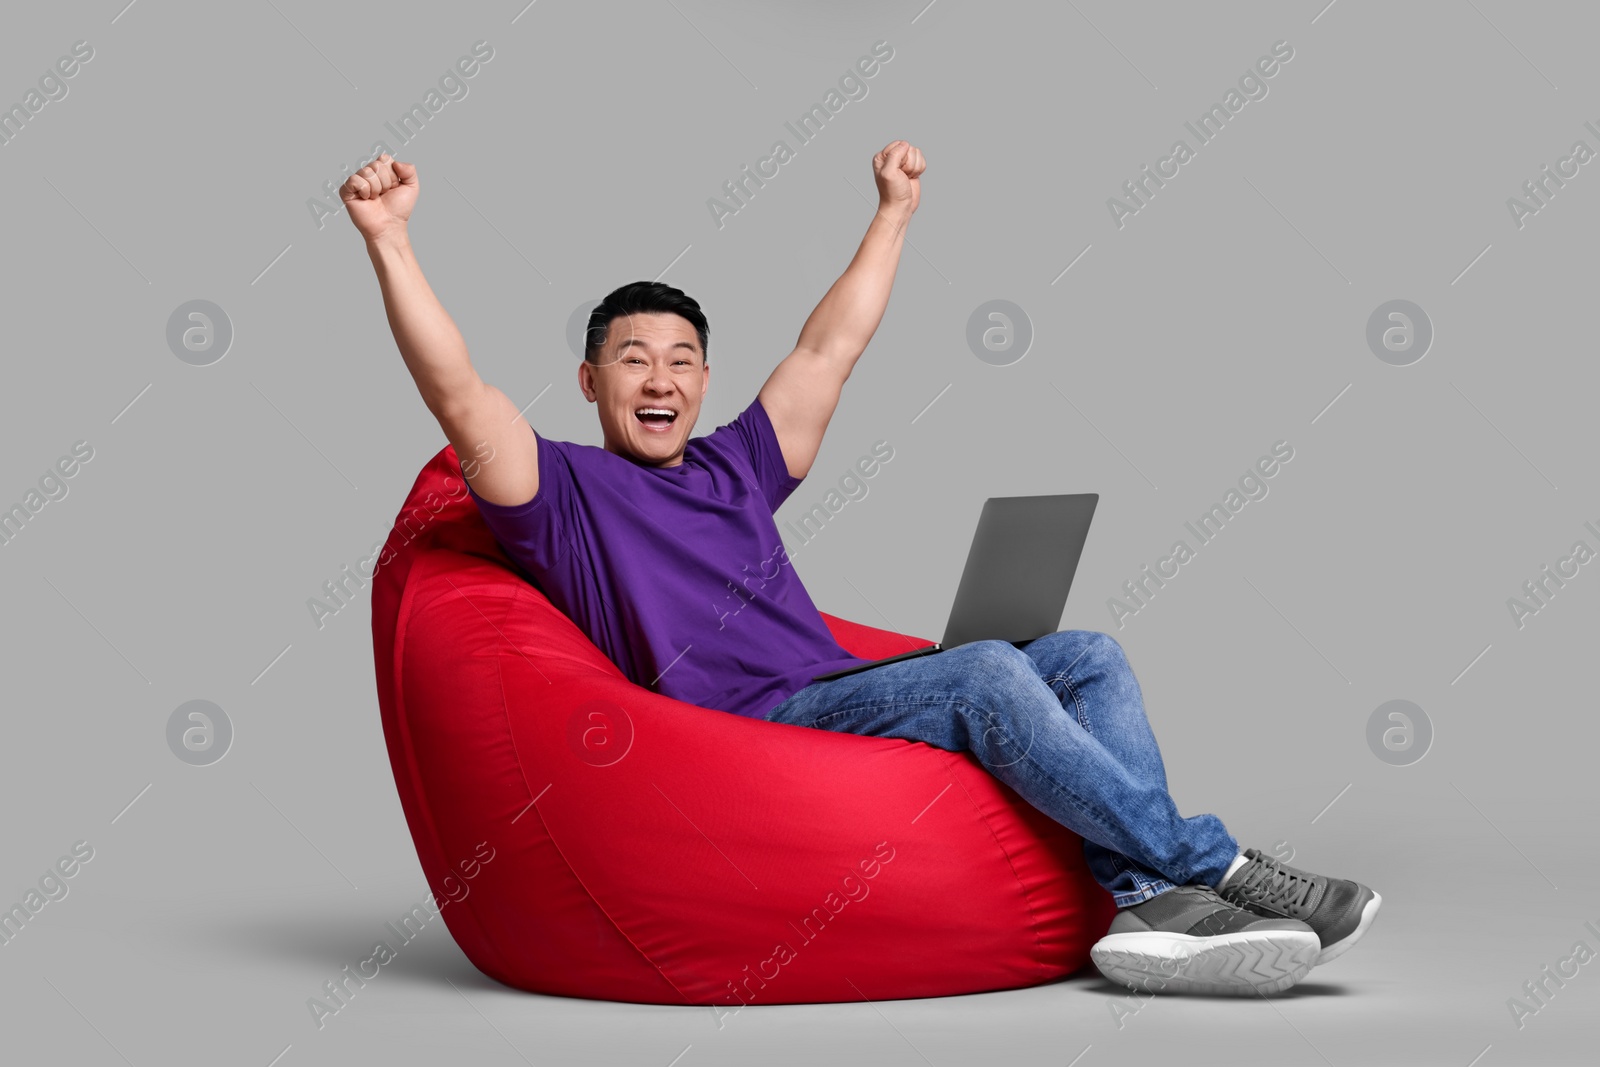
x,y
584,836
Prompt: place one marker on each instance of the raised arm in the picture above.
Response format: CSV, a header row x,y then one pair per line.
x,y
493,442
803,390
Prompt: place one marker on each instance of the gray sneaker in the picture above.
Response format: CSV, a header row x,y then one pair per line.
x,y
1190,940
1338,909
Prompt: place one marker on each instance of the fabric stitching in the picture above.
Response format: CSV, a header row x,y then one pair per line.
x,y
1027,897
404,613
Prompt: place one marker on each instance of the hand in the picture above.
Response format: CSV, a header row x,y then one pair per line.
x,y
380,196
898,172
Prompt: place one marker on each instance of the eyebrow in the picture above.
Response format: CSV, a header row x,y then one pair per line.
x,y
639,341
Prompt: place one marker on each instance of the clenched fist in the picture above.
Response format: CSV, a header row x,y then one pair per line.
x,y
898,172
380,196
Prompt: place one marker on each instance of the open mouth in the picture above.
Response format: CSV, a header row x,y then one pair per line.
x,y
656,420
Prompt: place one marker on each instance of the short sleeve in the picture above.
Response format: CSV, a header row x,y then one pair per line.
x,y
535,533
752,437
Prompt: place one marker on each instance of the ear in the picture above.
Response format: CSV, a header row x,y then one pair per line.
x,y
586,380
705,379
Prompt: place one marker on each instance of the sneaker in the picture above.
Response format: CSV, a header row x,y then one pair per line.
x,y
1338,909
1189,940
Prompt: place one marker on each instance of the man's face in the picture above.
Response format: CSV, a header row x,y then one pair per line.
x,y
651,362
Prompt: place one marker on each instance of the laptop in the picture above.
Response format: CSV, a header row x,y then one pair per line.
x,y
1019,571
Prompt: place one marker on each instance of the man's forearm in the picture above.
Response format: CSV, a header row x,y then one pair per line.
x,y
429,342
848,316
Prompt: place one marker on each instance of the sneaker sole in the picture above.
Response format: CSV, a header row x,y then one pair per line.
x,y
1230,964
1339,948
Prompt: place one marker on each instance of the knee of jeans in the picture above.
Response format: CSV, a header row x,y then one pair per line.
x,y
999,657
1105,649
996,673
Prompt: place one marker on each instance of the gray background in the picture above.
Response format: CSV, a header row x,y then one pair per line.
x,y
1228,314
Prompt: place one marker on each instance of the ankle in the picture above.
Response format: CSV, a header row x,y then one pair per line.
x,y
1238,861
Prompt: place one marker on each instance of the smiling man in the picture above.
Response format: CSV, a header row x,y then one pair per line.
x,y
662,548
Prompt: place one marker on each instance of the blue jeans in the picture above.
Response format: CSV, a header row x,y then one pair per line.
x,y
1061,721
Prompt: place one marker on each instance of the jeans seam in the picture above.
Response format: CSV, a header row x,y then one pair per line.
x,y
1060,790
1098,813
1082,805
1077,701
891,702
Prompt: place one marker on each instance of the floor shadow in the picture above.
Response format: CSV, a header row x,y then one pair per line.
x,y
326,942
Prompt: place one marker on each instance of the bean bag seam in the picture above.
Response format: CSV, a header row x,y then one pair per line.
x,y
522,770
491,590
519,592
1027,898
525,592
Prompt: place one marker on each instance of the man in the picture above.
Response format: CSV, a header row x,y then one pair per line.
x,y
664,551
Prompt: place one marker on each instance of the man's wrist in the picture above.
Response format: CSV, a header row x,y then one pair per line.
x,y
396,239
897,212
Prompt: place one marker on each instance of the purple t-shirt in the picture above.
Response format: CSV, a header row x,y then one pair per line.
x,y
677,573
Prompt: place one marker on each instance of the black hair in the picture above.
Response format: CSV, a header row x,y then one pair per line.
x,y
645,297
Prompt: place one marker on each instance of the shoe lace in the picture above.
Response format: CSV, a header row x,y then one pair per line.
x,y
1272,883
